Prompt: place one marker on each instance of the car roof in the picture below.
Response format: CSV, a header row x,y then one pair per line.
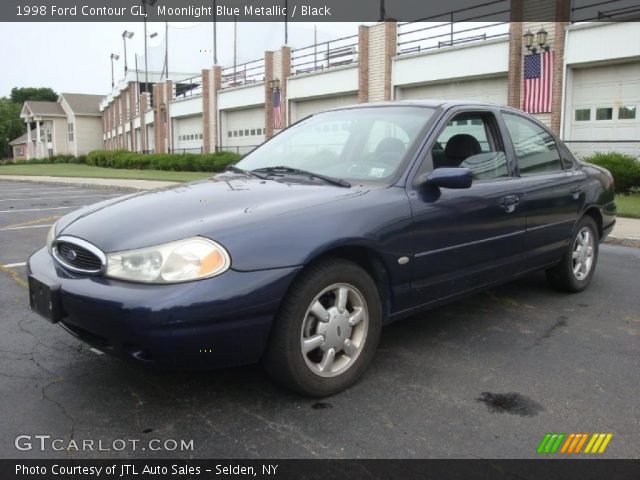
x,y
431,103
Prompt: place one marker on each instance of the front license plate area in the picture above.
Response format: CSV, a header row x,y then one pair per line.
x,y
44,298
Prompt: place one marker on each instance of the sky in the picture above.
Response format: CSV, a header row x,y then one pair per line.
x,y
75,57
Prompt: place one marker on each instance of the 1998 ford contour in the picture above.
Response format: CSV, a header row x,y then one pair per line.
x,y
346,221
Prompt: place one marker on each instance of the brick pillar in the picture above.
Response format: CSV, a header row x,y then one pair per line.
x,y
363,64
285,72
515,55
158,120
268,95
144,102
168,126
211,84
132,116
382,48
116,113
391,50
562,16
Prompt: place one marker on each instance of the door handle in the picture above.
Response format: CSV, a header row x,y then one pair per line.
x,y
509,203
575,192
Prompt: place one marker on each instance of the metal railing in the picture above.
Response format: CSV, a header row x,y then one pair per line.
x,y
584,148
243,74
187,88
183,151
454,28
608,10
239,149
326,55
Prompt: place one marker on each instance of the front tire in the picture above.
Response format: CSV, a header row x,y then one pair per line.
x,y
327,330
575,270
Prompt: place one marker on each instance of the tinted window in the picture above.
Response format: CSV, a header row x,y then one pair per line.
x,y
604,113
536,149
467,141
627,112
583,114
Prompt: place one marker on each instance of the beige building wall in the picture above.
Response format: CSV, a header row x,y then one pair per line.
x,y
88,134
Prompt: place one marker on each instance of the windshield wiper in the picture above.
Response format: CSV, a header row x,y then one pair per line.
x,y
233,168
282,169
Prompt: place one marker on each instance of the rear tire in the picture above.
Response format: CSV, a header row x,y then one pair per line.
x,y
327,330
575,270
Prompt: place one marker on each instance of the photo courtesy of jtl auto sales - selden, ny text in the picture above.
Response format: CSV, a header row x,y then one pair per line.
x,y
320,239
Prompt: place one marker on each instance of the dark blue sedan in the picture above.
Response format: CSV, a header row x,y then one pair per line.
x,y
346,221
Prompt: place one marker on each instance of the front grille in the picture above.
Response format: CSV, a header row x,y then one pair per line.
x,y
78,257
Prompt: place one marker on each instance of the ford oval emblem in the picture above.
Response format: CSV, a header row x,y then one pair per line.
x,y
71,255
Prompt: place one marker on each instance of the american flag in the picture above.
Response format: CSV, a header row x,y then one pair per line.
x,y
277,110
538,75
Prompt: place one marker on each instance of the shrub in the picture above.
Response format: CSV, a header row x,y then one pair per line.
x,y
209,162
624,168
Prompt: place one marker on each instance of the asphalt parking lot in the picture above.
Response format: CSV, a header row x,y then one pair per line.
x,y
486,377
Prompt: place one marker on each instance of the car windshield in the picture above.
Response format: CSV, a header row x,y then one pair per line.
x,y
360,144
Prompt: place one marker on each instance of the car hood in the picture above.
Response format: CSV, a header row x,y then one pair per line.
x,y
207,208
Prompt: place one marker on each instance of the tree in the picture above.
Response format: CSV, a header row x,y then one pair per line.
x,y
21,95
11,125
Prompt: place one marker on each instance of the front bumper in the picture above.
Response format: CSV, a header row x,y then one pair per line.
x,y
216,322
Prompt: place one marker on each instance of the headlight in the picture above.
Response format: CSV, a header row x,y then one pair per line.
x,y
181,261
51,236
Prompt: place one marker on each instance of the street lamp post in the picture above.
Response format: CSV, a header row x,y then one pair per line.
x,y
113,57
151,3
126,35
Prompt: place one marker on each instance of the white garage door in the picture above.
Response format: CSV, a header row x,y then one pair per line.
x,y
243,129
604,103
483,90
187,133
303,108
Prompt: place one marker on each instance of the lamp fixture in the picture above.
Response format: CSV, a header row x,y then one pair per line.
x,y
541,39
274,84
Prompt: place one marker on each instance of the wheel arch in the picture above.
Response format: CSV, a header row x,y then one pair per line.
x,y
594,212
366,258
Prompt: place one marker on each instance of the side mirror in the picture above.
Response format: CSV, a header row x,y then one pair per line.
x,y
446,178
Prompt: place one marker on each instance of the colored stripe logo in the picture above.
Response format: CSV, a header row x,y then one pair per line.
x,y
573,443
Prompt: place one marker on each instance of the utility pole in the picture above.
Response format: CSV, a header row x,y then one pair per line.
x,y
286,22
235,45
215,33
166,49
125,36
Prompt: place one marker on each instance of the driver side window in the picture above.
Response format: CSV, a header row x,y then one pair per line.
x,y
468,141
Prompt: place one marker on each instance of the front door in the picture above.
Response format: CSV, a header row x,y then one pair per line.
x,y
469,237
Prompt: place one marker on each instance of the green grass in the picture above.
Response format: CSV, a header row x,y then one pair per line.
x,y
75,170
628,205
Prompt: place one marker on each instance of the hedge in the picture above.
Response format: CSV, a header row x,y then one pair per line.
x,y
624,168
209,162
42,161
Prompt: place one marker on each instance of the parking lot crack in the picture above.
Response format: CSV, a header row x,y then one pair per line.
x,y
62,408
289,432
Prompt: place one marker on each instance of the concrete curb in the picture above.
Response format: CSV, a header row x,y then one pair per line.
x,y
84,183
633,242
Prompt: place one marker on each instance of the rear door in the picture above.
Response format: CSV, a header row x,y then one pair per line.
x,y
551,186
467,238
